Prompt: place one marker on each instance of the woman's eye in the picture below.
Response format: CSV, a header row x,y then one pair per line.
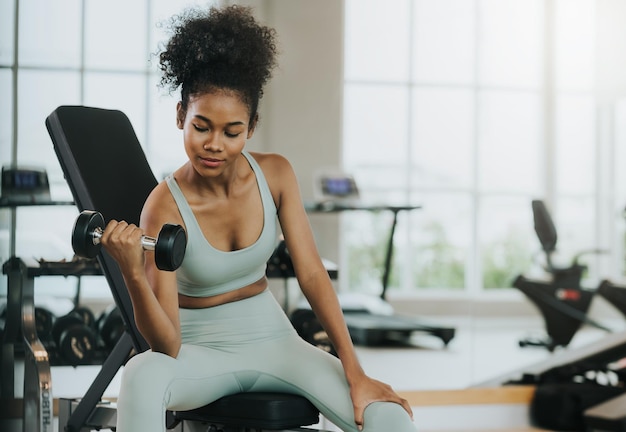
x,y
200,129
232,135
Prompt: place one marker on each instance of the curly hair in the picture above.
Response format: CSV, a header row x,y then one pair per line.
x,y
220,49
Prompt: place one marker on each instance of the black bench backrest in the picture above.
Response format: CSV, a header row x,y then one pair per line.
x,y
107,171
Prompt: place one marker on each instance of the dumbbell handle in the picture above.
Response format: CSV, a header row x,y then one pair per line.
x,y
147,242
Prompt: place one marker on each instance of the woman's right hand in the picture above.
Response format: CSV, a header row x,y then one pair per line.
x,y
123,242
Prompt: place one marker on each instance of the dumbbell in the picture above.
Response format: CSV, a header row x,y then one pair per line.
x,y
169,247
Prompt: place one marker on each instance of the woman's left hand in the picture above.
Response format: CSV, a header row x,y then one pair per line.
x,y
366,390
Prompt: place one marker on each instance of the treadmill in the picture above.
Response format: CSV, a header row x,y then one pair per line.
x,y
370,320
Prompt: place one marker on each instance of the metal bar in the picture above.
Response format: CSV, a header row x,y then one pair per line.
x,y
12,329
37,377
389,254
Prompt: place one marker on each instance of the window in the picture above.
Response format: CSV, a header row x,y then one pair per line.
x,y
472,109
92,55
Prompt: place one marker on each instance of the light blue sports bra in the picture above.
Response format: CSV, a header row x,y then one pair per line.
x,y
206,271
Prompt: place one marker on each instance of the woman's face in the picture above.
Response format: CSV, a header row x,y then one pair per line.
x,y
215,129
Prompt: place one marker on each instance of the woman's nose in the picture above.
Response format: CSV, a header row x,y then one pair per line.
x,y
212,143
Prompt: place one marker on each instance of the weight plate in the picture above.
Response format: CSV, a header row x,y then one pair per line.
x,y
170,248
83,234
63,323
44,320
86,315
77,345
111,326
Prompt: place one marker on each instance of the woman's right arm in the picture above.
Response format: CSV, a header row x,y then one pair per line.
x,y
152,291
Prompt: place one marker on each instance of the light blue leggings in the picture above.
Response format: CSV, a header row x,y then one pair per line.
x,y
248,345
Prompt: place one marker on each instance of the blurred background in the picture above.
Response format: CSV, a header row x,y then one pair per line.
x,y
468,108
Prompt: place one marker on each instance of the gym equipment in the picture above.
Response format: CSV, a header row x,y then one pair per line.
x,y
309,328
3,313
370,320
279,266
110,326
20,333
169,246
249,412
21,340
607,416
86,315
561,406
577,365
304,320
72,339
614,293
21,185
561,299
44,319
76,342
124,169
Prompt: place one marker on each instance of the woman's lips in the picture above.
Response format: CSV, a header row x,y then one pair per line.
x,y
211,162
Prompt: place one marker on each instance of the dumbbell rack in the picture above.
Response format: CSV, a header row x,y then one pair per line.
x,y
37,408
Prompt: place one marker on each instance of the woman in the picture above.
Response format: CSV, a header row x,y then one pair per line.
x,y
213,327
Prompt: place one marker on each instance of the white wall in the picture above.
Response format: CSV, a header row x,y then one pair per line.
x,y
300,113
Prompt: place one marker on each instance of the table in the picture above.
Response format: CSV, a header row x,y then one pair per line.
x,y
335,207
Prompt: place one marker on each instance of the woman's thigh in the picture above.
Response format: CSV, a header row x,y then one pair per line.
x,y
200,375
196,377
292,365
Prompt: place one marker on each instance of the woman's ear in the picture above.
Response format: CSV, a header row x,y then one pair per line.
x,y
252,126
180,115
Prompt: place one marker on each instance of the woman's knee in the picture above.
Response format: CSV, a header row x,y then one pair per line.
x,y
146,371
387,416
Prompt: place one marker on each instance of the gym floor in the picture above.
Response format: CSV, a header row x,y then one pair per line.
x,y
483,348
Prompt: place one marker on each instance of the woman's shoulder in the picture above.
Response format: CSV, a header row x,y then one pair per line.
x,y
160,208
160,191
279,175
271,163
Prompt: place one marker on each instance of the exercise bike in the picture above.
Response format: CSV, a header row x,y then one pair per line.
x,y
614,292
560,298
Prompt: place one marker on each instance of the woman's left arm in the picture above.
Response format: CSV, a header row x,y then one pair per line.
x,y
316,285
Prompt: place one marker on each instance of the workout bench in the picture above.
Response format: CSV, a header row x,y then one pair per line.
x,y
107,171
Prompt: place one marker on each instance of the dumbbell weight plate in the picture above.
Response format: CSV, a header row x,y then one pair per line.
x,y
44,320
170,247
111,326
75,342
86,315
83,233
77,345
62,323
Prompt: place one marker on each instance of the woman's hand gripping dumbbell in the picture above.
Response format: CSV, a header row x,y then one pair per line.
x,y
169,246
